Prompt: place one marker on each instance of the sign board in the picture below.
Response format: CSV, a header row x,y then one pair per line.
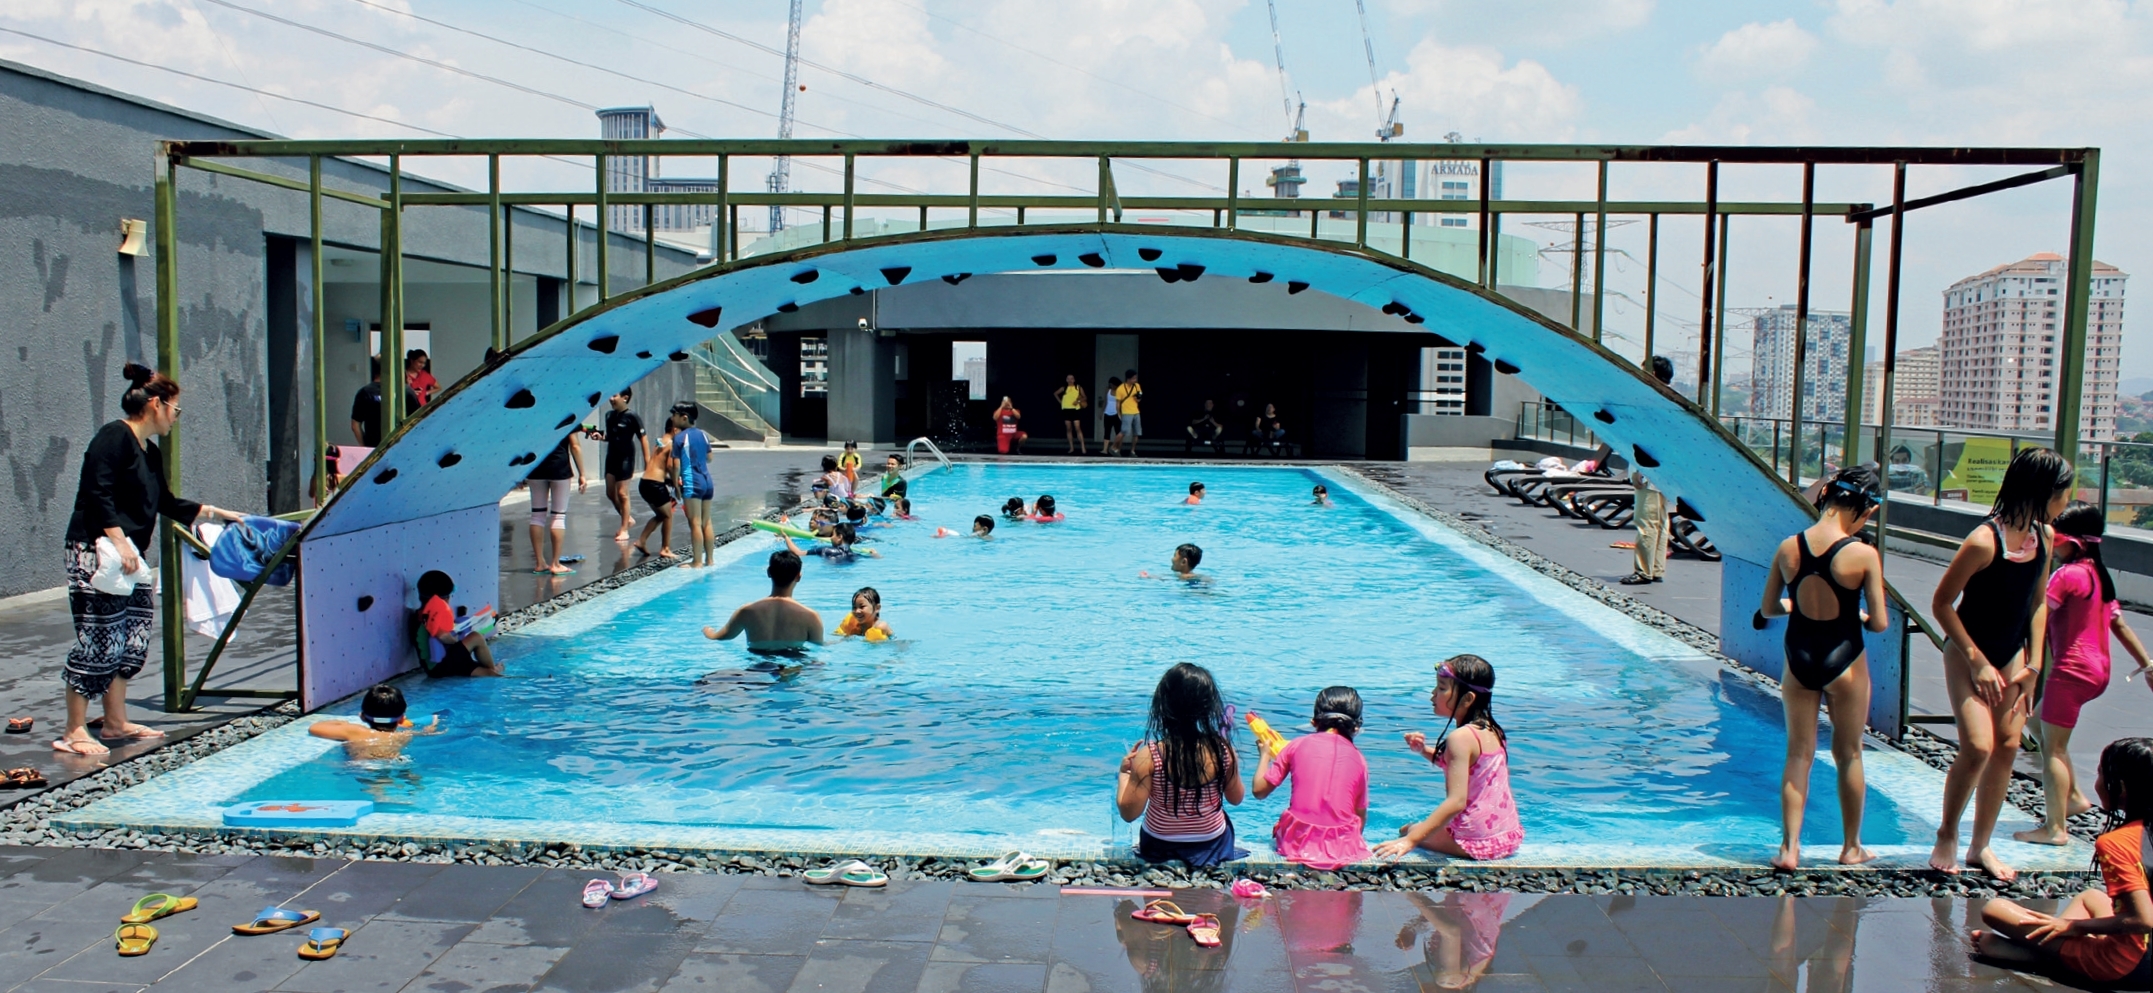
x,y
1979,470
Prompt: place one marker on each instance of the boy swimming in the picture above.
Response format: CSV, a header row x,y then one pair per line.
x,y
379,734
1184,562
1323,496
982,527
1196,494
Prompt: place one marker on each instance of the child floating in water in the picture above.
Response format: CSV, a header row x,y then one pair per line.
x,y
380,733
1322,825
1013,508
1186,558
843,545
2100,937
1196,494
1478,819
1043,510
903,506
982,527
866,617
1323,496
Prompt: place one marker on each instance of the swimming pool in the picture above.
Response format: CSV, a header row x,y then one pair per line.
x,y
1022,669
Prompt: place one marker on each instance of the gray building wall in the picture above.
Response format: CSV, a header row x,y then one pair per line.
x,y
77,160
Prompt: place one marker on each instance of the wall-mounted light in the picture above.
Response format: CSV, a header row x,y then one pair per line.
x,y
134,235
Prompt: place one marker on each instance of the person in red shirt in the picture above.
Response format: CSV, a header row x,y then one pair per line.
x,y
450,653
2100,937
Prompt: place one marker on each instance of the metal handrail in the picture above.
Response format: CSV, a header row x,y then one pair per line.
x,y
912,447
748,361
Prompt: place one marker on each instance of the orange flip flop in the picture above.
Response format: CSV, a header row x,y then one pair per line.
x,y
1164,912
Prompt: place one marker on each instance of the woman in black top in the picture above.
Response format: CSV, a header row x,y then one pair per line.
x,y
549,502
1992,658
122,491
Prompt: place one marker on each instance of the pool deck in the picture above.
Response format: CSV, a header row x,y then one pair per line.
x,y
461,929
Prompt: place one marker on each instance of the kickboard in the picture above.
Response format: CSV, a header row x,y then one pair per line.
x,y
775,528
297,813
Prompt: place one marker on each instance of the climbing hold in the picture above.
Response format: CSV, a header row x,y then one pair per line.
x,y
365,602
521,399
385,475
448,460
787,307
1603,417
525,459
1506,368
565,421
1170,274
642,355
678,357
806,276
956,278
1044,260
1295,286
592,399
896,274
1190,270
1414,319
856,291
1643,458
707,318
1261,277
1093,259
1148,254
605,344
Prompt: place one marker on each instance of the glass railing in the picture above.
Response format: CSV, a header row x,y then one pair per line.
x,y
1543,420
726,366
1957,464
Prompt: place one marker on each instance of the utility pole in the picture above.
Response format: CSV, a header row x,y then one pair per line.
x,y
781,167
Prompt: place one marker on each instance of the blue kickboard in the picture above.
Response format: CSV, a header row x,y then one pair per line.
x,y
297,813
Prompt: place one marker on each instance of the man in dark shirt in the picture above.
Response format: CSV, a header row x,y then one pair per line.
x,y
366,409
625,443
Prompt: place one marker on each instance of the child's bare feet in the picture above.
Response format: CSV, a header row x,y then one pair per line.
x,y
666,553
622,536
1789,858
1945,856
1992,865
2079,804
1855,854
2043,835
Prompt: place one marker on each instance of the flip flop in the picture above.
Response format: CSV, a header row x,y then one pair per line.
x,y
78,748
322,943
1205,930
157,905
142,732
596,892
134,939
274,919
25,778
1013,867
20,725
853,873
1164,912
634,884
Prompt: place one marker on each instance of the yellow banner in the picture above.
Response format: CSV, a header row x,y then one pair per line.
x,y
1979,471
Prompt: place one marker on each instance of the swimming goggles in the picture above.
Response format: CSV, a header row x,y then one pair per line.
x,y
1444,671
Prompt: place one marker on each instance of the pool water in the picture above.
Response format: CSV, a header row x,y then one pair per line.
x,y
1023,666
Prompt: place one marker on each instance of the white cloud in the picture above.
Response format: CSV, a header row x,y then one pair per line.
x,y
1757,50
1471,90
1530,22
1779,115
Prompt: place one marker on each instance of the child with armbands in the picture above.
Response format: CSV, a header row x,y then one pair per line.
x,y
866,617
1478,818
1322,825
1043,511
982,527
1013,508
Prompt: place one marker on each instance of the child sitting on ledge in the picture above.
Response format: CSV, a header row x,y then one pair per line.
x,y
446,647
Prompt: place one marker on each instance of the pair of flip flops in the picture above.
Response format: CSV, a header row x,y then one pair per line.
x,y
1203,928
322,942
1015,867
22,778
597,892
135,936
853,873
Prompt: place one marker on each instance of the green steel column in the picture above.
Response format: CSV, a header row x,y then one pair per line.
x,y
599,253
1704,317
1858,344
718,229
1652,281
850,173
392,323
1106,179
1599,256
318,331
1719,314
1233,193
508,278
2071,369
650,246
1486,273
493,246
569,266
1360,209
1801,328
172,628
971,214
1577,275
1885,383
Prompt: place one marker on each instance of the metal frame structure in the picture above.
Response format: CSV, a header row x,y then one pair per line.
x,y
1107,205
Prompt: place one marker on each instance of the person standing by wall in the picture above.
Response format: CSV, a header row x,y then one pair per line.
x,y
419,375
366,409
1110,423
1650,510
1073,403
691,464
625,441
1132,415
121,495
549,502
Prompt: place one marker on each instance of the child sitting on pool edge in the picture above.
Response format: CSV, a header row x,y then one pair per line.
x,y
1328,810
1186,558
1478,819
865,619
380,733
1180,778
448,653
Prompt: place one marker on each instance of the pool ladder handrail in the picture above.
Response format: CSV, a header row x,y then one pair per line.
x,y
912,451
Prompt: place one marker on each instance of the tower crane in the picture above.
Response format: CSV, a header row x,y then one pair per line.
x,y
1285,181
1386,127
781,166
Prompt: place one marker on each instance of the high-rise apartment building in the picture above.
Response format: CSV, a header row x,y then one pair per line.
x,y
1824,363
1913,389
1999,348
639,174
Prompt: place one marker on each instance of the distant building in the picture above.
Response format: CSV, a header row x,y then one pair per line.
x,y
1824,364
975,371
1998,365
1913,388
639,174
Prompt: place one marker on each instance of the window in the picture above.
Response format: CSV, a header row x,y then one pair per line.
x,y
968,361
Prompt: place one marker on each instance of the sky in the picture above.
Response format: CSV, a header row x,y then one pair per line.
x,y
1921,72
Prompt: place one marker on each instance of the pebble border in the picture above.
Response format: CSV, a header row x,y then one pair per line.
x,y
28,821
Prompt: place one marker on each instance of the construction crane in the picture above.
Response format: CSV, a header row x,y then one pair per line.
x,y
1285,181
1386,127
781,167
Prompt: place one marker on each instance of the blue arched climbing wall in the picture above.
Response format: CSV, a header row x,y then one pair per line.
x,y
466,450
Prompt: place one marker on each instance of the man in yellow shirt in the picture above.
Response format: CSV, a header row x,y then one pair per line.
x,y
1131,397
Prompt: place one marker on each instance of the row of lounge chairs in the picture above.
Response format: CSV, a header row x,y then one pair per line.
x,y
1600,495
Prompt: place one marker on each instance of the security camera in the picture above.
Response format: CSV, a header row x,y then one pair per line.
x,y
863,323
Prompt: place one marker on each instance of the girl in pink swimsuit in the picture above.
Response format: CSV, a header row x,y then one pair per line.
x,y
1478,818
2082,611
1322,825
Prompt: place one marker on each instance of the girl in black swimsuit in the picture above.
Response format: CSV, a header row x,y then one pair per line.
x,y
1826,664
1990,607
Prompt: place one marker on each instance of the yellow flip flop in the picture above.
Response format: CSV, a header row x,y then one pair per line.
x,y
322,943
134,939
158,905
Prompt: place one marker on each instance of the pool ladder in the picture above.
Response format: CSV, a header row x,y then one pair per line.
x,y
912,451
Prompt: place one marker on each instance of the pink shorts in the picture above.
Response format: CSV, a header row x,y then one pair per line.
x,y
2064,694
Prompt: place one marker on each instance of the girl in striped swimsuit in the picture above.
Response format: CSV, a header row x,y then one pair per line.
x,y
1182,775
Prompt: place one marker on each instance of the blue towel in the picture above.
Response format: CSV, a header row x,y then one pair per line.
x,y
244,548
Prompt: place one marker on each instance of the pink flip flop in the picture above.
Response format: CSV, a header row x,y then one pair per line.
x,y
596,893
632,885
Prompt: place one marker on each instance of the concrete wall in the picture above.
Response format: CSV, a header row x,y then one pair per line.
x,y
79,158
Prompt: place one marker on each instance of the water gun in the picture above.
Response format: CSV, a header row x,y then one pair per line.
x,y
1272,741
407,722
479,622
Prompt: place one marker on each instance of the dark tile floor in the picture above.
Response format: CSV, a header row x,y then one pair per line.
x,y
457,929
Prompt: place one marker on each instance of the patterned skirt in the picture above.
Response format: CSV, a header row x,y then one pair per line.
x,y
112,633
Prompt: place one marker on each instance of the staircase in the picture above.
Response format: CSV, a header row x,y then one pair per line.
x,y
732,384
